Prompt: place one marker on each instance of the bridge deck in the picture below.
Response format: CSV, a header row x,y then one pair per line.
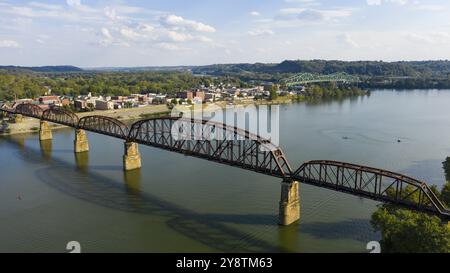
x,y
241,149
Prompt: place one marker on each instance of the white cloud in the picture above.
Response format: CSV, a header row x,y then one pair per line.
x,y
434,38
261,32
204,39
299,1
45,6
347,40
175,21
129,33
179,37
312,15
74,3
430,7
170,47
255,13
9,44
111,13
380,2
106,33
145,27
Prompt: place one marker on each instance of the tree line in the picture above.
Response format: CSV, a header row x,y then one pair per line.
x,y
406,231
29,85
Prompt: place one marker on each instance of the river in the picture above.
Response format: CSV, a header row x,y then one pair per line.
x,y
49,196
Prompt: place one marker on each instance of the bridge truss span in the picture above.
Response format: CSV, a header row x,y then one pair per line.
x,y
104,125
372,183
30,110
212,141
306,78
61,116
220,143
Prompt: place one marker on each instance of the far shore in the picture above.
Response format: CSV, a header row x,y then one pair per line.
x,y
31,125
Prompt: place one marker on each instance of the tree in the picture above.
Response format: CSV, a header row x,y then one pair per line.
x,y
273,92
405,231
445,194
90,107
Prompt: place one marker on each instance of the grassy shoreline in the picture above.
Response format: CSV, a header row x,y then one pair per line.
x,y
30,125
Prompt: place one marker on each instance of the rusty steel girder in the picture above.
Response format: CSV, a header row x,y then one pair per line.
x,y
239,148
104,125
30,110
371,183
212,141
61,116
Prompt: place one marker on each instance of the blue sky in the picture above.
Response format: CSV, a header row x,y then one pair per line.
x,y
94,33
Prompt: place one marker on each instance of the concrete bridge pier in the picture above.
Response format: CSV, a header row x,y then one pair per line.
x,y
289,203
132,157
17,118
81,143
45,132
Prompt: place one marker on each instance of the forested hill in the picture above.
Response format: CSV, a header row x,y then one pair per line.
x,y
43,69
364,68
414,69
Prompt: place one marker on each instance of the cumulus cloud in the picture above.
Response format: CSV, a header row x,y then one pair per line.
x,y
423,7
299,1
347,40
129,33
315,15
261,32
45,6
111,13
380,2
105,32
179,37
428,38
9,44
74,3
178,22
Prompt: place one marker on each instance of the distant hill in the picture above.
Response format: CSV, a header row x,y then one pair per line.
x,y
436,69
366,68
44,69
140,69
411,69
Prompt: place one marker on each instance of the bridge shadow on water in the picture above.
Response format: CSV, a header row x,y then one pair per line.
x,y
209,229
80,182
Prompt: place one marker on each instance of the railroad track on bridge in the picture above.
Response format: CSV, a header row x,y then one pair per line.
x,y
239,148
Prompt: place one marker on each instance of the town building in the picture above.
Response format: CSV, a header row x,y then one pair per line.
x,y
49,100
104,105
187,95
80,104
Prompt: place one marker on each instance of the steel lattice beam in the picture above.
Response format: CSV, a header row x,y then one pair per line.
x,y
236,147
372,183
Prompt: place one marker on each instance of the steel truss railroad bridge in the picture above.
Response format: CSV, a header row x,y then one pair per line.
x,y
306,78
239,148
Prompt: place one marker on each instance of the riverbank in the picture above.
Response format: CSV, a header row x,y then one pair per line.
x,y
31,125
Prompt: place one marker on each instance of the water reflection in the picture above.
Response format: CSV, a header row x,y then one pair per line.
x,y
46,149
209,229
82,162
288,237
133,181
